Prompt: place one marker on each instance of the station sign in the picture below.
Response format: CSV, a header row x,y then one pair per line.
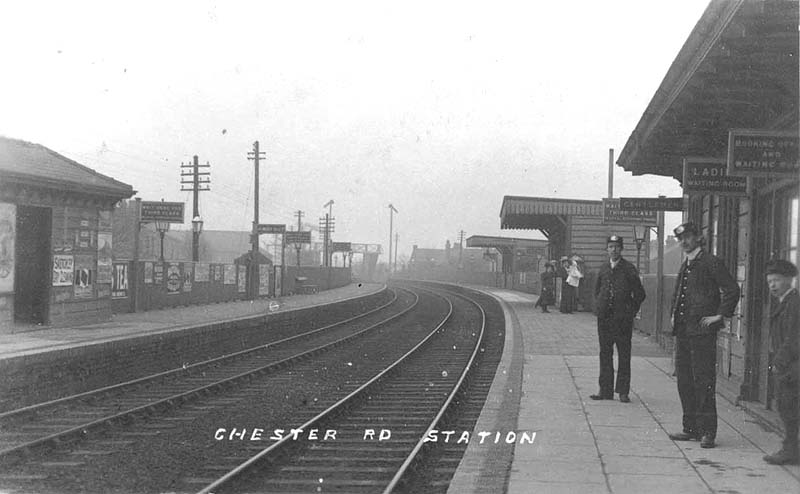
x,y
341,247
710,176
614,214
274,229
651,203
297,237
170,212
761,153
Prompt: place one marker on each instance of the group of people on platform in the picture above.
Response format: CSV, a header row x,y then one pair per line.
x,y
570,273
705,294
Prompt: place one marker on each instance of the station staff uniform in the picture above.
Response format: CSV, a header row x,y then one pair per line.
x,y
704,287
618,293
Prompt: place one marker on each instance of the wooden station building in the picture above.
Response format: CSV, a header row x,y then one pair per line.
x,y
55,238
573,227
728,108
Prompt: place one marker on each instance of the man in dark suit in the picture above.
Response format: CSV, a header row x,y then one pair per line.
x,y
619,292
705,293
784,324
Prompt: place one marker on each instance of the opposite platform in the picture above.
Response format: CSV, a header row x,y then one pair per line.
x,y
583,445
131,325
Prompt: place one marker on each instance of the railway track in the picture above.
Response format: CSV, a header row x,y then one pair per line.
x,y
182,449
72,418
382,429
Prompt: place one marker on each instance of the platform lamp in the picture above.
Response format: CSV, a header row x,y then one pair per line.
x,y
639,235
197,229
162,227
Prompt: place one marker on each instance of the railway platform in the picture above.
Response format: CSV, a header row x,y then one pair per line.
x,y
581,445
132,325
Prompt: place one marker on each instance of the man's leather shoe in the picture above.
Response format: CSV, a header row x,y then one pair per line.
x,y
707,441
624,398
601,397
782,457
684,436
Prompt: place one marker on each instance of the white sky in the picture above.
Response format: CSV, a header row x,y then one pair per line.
x,y
440,108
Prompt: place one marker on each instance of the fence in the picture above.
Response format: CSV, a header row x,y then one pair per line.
x,y
148,285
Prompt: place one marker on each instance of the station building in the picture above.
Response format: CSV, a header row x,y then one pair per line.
x,y
574,227
736,75
55,238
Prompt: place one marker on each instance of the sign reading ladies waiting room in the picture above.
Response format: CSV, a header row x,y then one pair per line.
x,y
763,153
710,176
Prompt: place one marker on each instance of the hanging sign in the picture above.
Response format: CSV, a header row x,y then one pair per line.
x,y
763,153
710,176
651,203
613,214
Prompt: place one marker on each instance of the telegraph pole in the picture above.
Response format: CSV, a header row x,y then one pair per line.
x,y
299,215
255,156
392,210
460,246
195,185
396,238
329,217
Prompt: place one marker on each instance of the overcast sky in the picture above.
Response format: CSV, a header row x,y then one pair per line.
x,y
440,108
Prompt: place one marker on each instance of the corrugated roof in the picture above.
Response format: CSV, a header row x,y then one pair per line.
x,y
33,163
516,205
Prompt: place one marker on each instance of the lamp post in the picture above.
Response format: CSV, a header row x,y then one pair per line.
x,y
639,242
162,227
197,229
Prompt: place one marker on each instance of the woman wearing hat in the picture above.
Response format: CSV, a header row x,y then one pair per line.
x,y
567,291
548,295
784,319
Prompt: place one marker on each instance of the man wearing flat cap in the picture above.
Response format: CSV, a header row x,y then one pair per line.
x,y
784,319
705,293
618,292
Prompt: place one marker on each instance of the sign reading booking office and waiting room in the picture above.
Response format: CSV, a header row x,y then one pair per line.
x,y
710,176
763,153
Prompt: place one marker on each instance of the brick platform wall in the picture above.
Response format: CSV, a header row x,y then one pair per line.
x,y
50,375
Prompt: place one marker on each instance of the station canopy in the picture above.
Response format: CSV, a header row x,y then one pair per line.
x,y
501,243
545,214
738,69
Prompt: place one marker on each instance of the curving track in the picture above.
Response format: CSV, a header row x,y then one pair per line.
x,y
381,427
357,384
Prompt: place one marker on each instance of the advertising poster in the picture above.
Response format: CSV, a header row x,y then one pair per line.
x,y
230,274
201,272
63,270
104,257
218,274
263,278
119,285
148,273
84,276
242,278
188,274
158,274
174,278
8,221
104,221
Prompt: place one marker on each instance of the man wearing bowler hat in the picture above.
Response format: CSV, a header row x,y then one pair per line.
x,y
618,292
784,319
705,293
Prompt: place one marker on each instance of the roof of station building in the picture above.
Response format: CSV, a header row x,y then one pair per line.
x,y
27,163
738,69
543,213
485,241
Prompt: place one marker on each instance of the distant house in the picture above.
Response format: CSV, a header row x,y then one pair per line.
x,y
468,259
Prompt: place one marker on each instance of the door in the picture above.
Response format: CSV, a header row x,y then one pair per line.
x,y
32,276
